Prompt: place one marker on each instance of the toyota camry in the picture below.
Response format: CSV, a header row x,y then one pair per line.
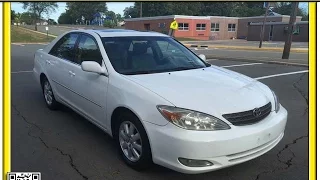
x,y
161,102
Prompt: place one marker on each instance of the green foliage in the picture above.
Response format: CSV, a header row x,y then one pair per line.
x,y
286,7
112,15
119,17
86,9
109,24
131,11
28,18
39,8
13,15
65,18
206,8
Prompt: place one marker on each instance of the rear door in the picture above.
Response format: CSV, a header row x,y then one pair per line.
x,y
90,88
59,62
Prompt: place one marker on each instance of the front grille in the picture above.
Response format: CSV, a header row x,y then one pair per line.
x,y
249,117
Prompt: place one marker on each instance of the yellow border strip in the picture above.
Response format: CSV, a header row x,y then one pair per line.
x,y
6,89
312,90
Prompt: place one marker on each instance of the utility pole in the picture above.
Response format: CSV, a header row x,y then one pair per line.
x,y
140,9
287,45
263,26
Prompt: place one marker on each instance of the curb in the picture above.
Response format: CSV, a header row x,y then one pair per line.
x,y
247,48
259,61
38,32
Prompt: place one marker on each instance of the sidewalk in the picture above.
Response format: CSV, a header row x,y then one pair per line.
x,y
295,59
292,62
241,47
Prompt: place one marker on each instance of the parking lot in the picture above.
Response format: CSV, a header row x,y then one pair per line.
x,y
63,145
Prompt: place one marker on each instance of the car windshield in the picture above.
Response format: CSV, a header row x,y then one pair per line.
x,y
147,55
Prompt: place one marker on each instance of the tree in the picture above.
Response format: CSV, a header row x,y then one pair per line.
x,y
85,9
236,9
305,17
285,9
52,22
38,8
17,18
112,16
131,12
13,15
119,17
27,17
65,18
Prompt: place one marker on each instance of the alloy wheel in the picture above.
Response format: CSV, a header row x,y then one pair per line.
x,y
130,141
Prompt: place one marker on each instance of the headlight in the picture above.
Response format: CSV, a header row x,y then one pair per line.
x,y
276,102
192,120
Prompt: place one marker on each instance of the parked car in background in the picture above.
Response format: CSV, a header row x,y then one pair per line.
x,y
160,102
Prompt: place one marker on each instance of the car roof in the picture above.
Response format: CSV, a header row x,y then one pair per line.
x,y
121,32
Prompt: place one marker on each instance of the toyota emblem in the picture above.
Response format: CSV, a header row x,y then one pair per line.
x,y
256,112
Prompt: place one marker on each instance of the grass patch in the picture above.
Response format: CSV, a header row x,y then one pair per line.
x,y
22,35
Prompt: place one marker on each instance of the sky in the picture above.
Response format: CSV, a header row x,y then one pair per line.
x,y
116,7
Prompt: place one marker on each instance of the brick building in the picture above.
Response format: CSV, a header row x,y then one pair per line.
x,y
204,27
276,31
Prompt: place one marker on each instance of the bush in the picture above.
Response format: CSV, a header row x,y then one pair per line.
x,y
109,24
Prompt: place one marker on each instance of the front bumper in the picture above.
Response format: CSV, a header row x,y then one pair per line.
x,y
223,148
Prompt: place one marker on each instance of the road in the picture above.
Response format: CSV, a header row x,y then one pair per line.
x,y
63,145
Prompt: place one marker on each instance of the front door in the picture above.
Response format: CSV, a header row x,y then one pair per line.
x,y
271,33
59,62
147,27
90,88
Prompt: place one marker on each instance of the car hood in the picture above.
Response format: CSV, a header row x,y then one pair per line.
x,y
211,90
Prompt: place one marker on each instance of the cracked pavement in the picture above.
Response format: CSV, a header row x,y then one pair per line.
x,y
62,145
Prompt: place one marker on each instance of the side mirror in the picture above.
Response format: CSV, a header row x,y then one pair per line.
x,y
203,57
92,66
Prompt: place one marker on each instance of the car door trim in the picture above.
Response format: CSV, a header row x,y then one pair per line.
x,y
77,94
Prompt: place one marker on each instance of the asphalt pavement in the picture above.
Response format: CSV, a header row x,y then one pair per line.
x,y
62,145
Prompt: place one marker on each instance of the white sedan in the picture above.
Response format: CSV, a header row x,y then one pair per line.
x,y
162,103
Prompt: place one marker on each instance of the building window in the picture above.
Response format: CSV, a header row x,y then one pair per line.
x,y
162,25
215,27
201,27
231,27
183,26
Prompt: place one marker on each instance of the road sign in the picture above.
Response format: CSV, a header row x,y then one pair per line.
x,y
47,28
174,25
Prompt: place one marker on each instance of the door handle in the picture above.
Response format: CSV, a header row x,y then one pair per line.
x,y
72,73
48,62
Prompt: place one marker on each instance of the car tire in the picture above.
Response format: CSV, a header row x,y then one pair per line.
x,y
48,95
145,159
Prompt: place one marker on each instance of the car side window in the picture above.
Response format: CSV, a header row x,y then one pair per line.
x,y
64,48
88,50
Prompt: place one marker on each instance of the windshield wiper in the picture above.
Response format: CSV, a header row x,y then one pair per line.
x,y
137,72
184,68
